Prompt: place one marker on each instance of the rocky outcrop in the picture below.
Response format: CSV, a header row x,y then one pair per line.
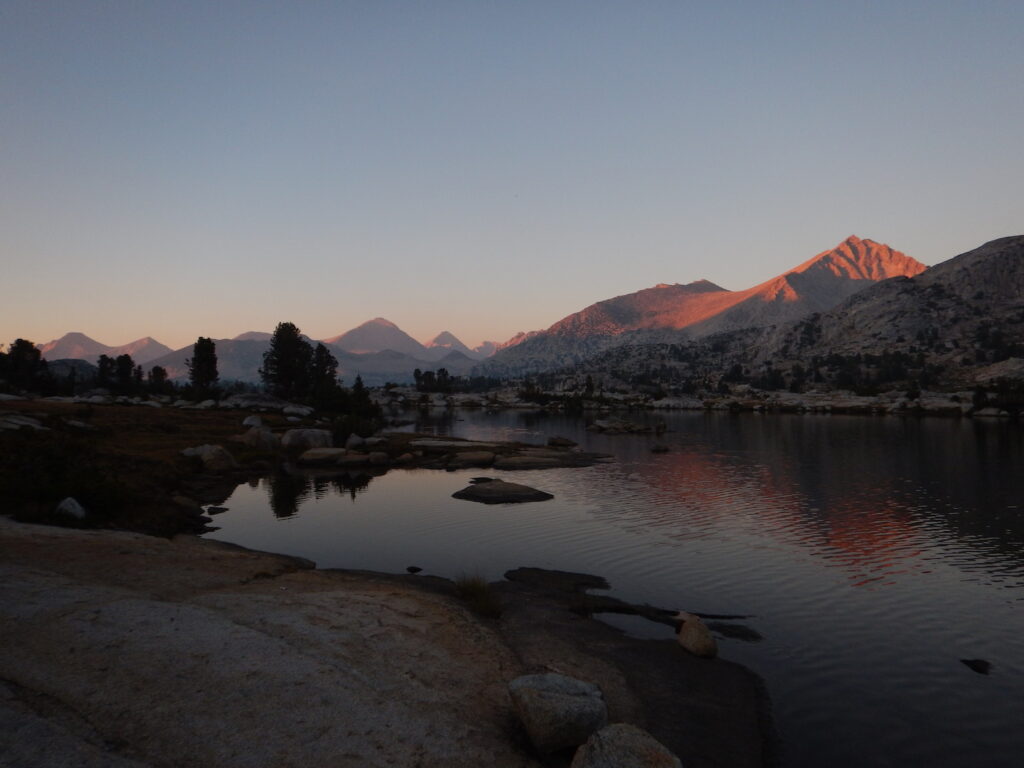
x,y
558,711
624,746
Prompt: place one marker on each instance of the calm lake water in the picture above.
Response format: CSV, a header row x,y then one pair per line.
x,y
872,553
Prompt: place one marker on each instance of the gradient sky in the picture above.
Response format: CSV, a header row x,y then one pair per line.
x,y
175,169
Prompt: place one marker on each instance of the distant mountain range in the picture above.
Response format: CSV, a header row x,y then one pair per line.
x,y
78,346
378,350
859,297
956,324
678,312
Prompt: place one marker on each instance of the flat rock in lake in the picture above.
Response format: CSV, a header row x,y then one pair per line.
x,y
500,492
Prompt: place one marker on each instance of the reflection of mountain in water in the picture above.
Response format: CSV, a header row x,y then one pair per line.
x,y
869,495
287,492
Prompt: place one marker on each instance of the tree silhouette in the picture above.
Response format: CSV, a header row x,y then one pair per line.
x,y
287,364
202,366
24,365
104,371
158,379
324,389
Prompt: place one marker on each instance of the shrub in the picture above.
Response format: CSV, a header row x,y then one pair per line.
x,y
476,592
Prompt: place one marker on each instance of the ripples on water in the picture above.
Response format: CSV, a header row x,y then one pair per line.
x,y
873,553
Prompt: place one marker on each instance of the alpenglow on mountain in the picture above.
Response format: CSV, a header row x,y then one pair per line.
x,y
678,312
78,346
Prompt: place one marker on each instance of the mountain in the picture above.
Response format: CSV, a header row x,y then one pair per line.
x,y
378,335
142,350
254,336
958,323
448,342
78,346
677,312
965,311
486,349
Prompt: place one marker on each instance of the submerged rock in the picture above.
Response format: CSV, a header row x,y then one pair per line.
x,y
624,746
500,492
558,711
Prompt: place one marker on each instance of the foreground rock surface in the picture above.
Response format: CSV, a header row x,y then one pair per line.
x,y
192,653
624,746
119,649
488,491
558,711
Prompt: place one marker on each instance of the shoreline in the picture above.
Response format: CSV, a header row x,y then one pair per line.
x,y
78,602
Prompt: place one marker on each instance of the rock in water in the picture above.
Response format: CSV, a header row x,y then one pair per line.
x,y
500,492
558,711
695,637
624,746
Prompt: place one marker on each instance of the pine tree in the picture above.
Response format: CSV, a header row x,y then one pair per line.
x,y
202,367
287,364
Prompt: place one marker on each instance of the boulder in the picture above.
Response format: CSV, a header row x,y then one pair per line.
x,y
354,441
71,508
557,711
206,405
262,439
215,458
373,442
624,746
301,411
319,457
252,421
354,460
378,459
17,421
695,637
471,459
500,492
5,397
304,439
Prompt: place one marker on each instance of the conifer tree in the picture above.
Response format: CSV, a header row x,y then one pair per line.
x,y
202,366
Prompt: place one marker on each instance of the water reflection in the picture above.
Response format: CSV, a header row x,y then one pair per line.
x,y
287,491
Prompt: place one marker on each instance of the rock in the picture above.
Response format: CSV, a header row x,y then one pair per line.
x,y
354,460
378,459
215,458
617,426
354,441
373,442
304,439
206,405
471,459
624,746
7,398
71,508
558,712
405,458
527,462
261,438
301,411
991,413
185,502
292,419
413,569
561,442
500,492
321,456
17,421
252,421
695,637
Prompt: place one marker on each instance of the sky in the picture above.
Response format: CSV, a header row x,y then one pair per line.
x,y
176,169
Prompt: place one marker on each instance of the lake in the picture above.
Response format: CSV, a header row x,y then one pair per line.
x,y
871,553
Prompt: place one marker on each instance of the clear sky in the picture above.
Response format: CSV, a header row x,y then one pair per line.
x,y
183,168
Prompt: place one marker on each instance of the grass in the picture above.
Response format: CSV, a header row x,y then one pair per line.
x,y
476,592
